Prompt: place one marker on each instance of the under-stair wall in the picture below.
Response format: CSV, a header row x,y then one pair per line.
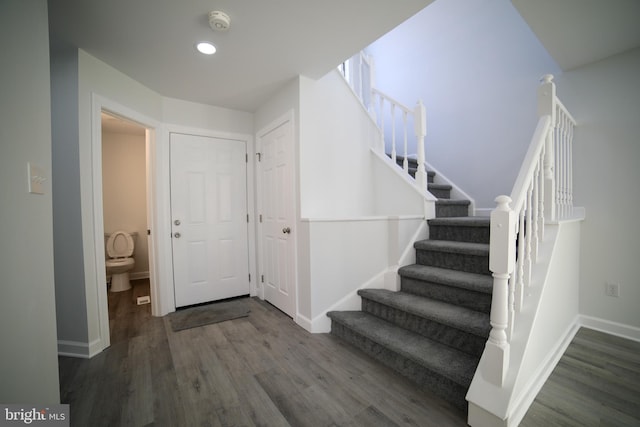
x,y
344,203
540,337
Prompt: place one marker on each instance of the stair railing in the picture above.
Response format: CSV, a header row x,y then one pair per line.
x,y
386,112
542,193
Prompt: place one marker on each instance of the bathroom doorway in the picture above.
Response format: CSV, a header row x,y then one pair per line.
x,y
125,183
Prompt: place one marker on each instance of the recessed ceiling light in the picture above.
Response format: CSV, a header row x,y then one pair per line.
x,y
206,48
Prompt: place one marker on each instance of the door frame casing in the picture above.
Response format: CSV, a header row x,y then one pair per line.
x,y
289,116
153,129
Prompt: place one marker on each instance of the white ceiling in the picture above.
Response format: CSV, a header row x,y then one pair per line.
x,y
579,32
269,42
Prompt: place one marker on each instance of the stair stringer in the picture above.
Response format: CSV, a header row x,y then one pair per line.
x,y
456,192
390,173
387,278
543,330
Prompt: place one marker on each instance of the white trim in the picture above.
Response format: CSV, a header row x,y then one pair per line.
x,y
424,193
524,401
456,192
98,104
363,218
385,279
288,117
610,327
304,322
79,349
353,92
352,301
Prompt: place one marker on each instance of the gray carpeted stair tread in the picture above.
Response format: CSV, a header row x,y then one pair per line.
x,y
467,248
455,278
462,221
453,364
461,202
439,186
460,318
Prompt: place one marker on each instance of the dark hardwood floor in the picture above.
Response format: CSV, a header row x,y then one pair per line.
x,y
262,370
596,383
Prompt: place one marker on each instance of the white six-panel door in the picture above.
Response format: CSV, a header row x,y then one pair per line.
x,y
278,217
209,218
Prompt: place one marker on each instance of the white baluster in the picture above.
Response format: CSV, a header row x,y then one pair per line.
x,y
420,127
534,212
393,132
520,263
373,107
512,301
405,164
528,237
546,101
541,195
570,164
501,258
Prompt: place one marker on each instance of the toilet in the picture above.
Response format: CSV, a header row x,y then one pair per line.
x,y
119,250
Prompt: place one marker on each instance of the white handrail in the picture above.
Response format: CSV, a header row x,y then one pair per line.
x,y
542,193
358,71
535,150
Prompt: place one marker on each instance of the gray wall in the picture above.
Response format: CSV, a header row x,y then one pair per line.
x,y
476,66
68,256
605,100
28,353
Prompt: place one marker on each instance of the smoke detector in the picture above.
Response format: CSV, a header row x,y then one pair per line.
x,y
219,21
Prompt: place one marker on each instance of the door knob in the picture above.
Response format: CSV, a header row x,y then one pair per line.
x,y
177,235
286,230
176,222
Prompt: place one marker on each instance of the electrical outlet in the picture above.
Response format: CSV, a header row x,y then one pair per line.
x,y
612,289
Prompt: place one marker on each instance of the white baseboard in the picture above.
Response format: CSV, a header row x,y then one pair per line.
x,y
351,301
613,328
78,349
304,322
534,386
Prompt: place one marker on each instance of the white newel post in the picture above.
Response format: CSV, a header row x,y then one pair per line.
x,y
501,263
546,106
420,127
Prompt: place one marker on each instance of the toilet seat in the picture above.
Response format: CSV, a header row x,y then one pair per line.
x,y
120,245
119,262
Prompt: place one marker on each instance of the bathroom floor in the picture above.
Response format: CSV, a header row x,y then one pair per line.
x,y
123,308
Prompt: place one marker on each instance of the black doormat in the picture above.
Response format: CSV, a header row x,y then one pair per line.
x,y
209,313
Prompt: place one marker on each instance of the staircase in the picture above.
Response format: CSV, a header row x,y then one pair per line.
x,y
433,331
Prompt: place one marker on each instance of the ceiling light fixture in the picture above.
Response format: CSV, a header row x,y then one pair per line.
x,y
206,48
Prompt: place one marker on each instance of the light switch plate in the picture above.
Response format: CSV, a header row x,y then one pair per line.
x,y
36,178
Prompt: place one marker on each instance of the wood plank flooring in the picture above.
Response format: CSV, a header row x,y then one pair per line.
x,y
262,370
596,383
